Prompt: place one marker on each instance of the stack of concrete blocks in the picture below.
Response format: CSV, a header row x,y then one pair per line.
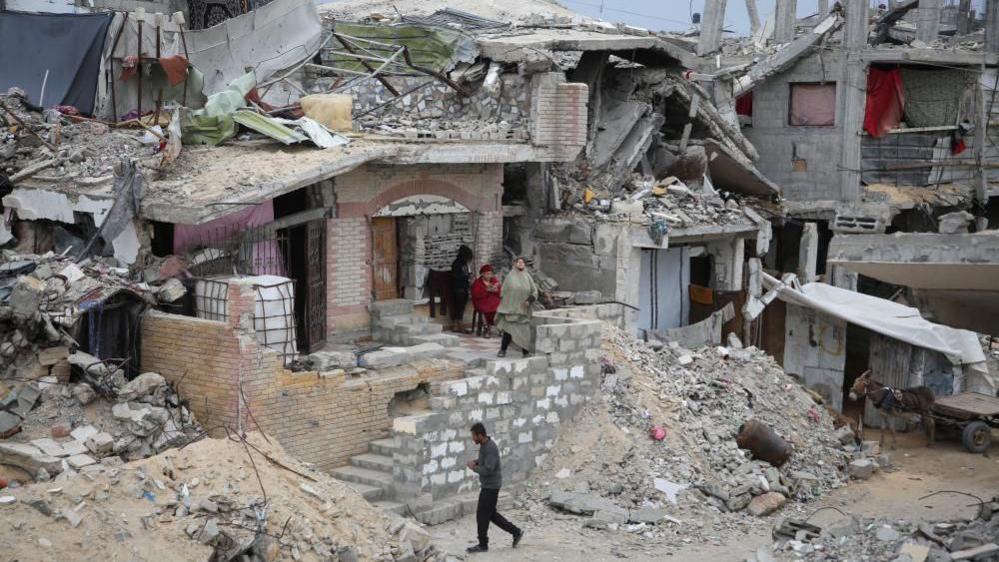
x,y
522,402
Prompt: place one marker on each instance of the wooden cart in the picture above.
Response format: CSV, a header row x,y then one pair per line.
x,y
972,413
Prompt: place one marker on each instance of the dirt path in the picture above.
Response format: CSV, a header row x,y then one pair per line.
x,y
918,471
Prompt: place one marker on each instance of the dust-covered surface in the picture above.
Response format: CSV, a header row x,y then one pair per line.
x,y
700,399
512,12
186,503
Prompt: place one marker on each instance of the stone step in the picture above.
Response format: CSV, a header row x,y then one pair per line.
x,y
370,493
391,507
477,372
363,476
373,462
442,511
391,307
389,322
446,340
385,447
420,328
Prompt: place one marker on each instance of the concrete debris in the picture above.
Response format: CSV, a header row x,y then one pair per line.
x,y
856,538
206,501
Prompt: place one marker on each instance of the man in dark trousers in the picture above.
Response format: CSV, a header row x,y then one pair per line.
x,y
490,478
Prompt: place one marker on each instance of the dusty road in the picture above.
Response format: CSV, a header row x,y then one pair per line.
x,y
918,471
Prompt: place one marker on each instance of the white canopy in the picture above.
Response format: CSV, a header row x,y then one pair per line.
x,y
883,316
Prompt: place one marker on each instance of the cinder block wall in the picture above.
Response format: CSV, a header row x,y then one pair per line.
x,y
523,402
318,419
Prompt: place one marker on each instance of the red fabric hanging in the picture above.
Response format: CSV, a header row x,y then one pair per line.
x,y
744,104
885,101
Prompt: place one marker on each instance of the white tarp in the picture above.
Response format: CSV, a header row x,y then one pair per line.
x,y
883,316
268,40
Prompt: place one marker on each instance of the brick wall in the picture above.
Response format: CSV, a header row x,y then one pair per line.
x,y
558,113
322,418
523,403
348,275
363,192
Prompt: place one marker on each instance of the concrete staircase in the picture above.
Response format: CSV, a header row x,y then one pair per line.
x,y
393,322
370,474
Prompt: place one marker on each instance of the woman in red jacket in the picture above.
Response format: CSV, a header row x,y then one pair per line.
x,y
486,296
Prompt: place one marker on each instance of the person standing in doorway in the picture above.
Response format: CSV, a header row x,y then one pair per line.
x,y
513,317
461,280
491,479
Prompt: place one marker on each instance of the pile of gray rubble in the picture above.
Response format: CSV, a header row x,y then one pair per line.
x,y
661,451
69,428
865,538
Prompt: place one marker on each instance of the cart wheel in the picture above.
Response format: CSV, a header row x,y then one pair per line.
x,y
977,437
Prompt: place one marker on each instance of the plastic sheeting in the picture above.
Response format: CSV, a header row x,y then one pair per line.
x,y
60,51
885,317
813,105
885,101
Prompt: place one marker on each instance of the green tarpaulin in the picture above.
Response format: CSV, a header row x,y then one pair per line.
x,y
433,47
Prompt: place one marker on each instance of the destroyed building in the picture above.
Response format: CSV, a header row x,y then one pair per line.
x,y
256,202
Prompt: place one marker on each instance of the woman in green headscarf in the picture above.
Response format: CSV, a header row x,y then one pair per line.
x,y
513,317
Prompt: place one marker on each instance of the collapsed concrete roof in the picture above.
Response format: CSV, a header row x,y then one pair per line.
x,y
208,182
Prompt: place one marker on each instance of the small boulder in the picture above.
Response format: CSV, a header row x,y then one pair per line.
x,y
861,469
84,393
765,504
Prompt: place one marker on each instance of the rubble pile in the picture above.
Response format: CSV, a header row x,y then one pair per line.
x,y
58,147
218,499
658,456
69,428
866,538
40,306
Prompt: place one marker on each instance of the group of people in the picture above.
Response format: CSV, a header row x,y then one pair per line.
x,y
504,305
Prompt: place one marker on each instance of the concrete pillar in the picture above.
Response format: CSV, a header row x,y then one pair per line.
x,y
786,18
928,27
823,8
712,22
992,26
728,258
840,276
754,17
964,17
808,253
853,98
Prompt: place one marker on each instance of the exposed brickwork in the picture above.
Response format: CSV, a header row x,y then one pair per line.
x,y
318,419
364,191
558,113
348,274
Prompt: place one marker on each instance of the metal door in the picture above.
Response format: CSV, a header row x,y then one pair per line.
x,y
315,282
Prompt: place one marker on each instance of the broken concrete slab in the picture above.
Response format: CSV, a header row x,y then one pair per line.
x,y
26,297
52,355
384,358
74,447
862,469
29,458
142,386
983,552
50,447
10,424
341,357
100,443
84,432
80,461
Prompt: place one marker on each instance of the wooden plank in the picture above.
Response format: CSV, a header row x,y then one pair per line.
x,y
973,403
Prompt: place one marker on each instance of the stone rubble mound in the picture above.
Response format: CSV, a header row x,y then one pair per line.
x,y
234,498
867,538
615,472
73,429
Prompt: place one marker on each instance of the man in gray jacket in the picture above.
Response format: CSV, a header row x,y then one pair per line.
x,y
490,478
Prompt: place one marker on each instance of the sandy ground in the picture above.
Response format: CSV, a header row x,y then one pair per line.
x,y
918,471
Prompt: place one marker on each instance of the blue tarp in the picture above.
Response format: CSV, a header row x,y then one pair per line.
x,y
67,46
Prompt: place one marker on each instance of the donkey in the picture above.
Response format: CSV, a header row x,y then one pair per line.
x,y
893,403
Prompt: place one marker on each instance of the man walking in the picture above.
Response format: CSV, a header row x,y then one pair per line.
x,y
490,478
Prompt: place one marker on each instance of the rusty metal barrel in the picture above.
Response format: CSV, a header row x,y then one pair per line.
x,y
764,443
